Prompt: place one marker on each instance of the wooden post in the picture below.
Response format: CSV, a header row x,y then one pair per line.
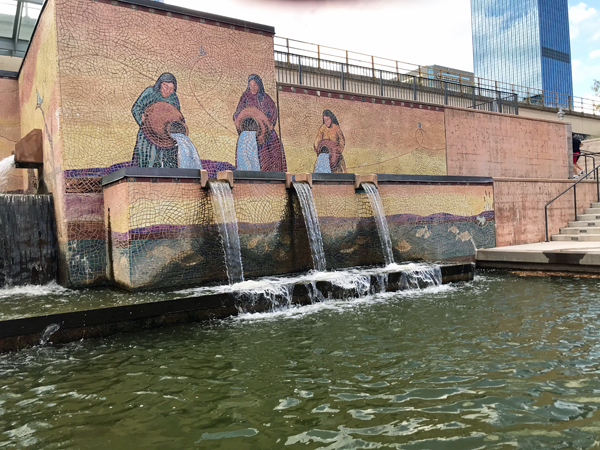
x,y
373,65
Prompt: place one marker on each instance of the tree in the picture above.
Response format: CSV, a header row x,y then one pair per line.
x,y
596,89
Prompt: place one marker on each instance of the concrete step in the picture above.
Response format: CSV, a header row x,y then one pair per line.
x,y
595,205
580,230
588,217
576,237
584,224
591,210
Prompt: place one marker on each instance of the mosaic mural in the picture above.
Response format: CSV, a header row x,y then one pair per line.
x,y
356,134
163,234
126,96
115,85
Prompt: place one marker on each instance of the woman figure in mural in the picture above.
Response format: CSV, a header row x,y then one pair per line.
x,y
329,146
258,146
157,112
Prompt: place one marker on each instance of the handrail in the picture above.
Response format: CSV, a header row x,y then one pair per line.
x,y
529,95
574,187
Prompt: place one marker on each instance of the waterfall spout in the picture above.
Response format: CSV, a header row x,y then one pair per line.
x,y
222,200
381,221
311,220
6,166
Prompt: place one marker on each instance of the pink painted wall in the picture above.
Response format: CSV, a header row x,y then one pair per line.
x,y
519,208
499,145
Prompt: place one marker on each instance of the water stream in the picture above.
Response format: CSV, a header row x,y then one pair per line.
x,y
6,166
311,220
224,207
381,221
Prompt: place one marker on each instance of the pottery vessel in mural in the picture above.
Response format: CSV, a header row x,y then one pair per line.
x,y
160,120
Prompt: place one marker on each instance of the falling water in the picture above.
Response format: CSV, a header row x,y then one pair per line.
x,y
311,220
6,166
226,219
421,278
28,248
187,155
380,220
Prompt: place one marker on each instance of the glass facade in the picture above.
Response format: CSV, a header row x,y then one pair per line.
x,y
523,42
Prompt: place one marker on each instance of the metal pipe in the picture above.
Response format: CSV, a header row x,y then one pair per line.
x,y
575,199
546,214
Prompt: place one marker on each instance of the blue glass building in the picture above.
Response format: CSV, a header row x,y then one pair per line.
x,y
523,42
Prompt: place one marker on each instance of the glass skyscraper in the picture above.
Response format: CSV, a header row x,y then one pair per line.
x,y
523,42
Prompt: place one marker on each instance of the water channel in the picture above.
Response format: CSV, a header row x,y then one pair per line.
x,y
500,362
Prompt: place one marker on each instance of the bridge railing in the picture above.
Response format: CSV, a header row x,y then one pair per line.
x,y
373,65
363,81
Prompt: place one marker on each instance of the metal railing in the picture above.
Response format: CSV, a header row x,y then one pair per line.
x,y
330,75
526,95
593,172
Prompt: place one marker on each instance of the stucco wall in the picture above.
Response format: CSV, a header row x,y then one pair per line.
x,y
500,145
10,129
519,208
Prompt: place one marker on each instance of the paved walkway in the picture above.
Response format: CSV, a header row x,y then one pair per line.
x,y
569,256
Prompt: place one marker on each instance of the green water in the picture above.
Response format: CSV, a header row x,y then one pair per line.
x,y
502,362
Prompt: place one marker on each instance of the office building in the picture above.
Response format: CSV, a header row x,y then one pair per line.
x,y
523,42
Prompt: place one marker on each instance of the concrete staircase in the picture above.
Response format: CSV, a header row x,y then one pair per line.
x,y
586,228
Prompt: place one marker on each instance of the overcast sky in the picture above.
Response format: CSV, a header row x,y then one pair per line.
x,y
416,31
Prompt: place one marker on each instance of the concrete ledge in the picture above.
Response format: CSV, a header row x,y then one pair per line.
x,y
143,172
390,178
569,255
251,175
101,322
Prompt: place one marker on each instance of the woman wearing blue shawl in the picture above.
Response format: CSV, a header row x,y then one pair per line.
x,y
155,110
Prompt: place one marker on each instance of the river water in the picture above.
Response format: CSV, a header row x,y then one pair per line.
x,y
500,362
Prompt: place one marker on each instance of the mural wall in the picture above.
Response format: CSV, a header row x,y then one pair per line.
x,y
143,87
163,234
331,132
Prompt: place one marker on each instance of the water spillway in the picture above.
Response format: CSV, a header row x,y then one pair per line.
x,y
311,220
381,221
226,219
28,248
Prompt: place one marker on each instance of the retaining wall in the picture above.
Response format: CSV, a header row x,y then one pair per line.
x,y
519,208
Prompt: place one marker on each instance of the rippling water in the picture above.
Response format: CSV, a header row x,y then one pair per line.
x,y
502,362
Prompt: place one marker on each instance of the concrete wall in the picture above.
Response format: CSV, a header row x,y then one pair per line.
x,y
10,129
582,123
499,145
519,208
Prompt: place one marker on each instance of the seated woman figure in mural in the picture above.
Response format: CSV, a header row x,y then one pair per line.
x,y
258,146
157,112
329,146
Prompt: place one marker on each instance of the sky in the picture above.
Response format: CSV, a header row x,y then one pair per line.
x,y
421,32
